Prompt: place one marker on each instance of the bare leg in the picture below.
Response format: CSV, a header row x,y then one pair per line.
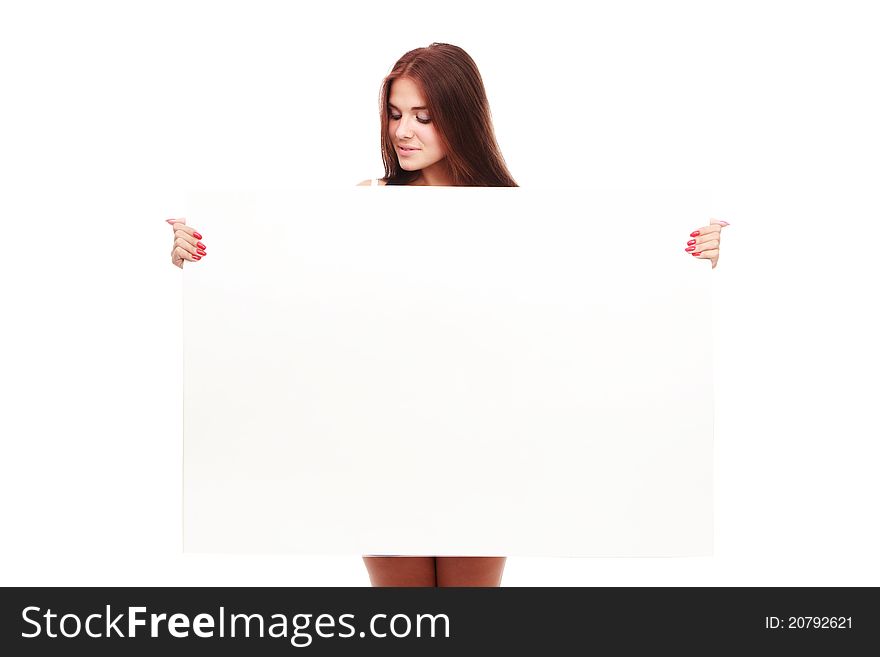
x,y
470,571
401,571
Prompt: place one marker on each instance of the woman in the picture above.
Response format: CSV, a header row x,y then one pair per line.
x,y
436,129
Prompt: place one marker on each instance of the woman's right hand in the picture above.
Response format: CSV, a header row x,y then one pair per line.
x,y
186,243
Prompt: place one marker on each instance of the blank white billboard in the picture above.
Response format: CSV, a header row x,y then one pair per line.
x,y
448,372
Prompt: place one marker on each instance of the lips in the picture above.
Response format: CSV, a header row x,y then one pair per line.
x,y
407,149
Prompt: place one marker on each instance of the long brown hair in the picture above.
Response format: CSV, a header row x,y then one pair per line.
x,y
456,100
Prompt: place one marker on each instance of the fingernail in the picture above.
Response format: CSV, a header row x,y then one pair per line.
x,y
200,252
195,257
200,245
697,253
695,233
196,235
690,248
170,221
724,223
691,242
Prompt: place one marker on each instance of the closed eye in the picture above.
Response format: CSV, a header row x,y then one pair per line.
x,y
396,117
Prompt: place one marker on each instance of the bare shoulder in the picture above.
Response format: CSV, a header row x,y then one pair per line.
x,y
368,182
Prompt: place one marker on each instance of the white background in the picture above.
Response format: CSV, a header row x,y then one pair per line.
x,y
110,111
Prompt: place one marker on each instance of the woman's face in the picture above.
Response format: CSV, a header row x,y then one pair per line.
x,y
411,127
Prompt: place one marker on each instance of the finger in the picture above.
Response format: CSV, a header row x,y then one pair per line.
x,y
715,225
709,241
708,254
707,230
188,238
183,254
701,242
185,245
180,228
190,234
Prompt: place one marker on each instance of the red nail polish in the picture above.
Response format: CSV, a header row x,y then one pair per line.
x,y
195,257
690,242
694,234
690,248
196,235
201,252
697,253
202,246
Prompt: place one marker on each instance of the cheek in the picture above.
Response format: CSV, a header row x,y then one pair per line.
x,y
430,137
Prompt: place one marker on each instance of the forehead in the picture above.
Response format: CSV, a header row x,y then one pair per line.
x,y
405,94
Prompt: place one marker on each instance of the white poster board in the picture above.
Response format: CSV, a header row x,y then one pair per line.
x,y
448,371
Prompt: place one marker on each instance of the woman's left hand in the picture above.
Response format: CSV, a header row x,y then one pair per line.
x,y
704,242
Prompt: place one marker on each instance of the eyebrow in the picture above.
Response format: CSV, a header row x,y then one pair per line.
x,y
392,105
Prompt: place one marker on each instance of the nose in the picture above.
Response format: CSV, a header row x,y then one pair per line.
x,y
404,128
